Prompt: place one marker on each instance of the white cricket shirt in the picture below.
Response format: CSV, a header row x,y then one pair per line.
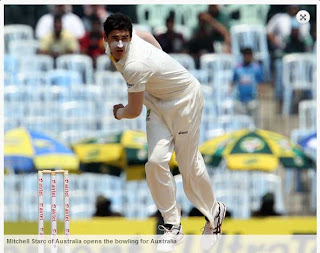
x,y
147,68
280,25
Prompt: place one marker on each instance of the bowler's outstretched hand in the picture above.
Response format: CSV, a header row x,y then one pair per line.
x,y
116,108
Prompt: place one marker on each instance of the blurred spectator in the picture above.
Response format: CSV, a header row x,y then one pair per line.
x,y
91,12
92,43
293,43
222,18
279,27
267,207
209,29
71,22
246,77
171,41
222,40
103,208
275,9
59,41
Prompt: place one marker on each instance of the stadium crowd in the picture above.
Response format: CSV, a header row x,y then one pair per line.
x,y
232,48
69,29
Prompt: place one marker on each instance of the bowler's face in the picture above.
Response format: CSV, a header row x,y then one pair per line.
x,y
118,41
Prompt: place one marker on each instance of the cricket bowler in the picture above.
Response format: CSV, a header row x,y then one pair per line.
x,y
174,102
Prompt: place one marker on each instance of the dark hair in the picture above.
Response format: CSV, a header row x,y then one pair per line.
x,y
246,50
95,19
117,21
171,17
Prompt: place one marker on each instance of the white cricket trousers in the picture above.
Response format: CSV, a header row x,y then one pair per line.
x,y
174,124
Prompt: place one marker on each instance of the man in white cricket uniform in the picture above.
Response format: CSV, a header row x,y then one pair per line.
x,y
174,101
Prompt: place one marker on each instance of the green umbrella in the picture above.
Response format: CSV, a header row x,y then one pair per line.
x,y
125,150
254,150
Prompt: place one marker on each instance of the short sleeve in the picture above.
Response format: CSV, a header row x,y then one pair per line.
x,y
43,27
259,74
273,23
235,75
137,75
